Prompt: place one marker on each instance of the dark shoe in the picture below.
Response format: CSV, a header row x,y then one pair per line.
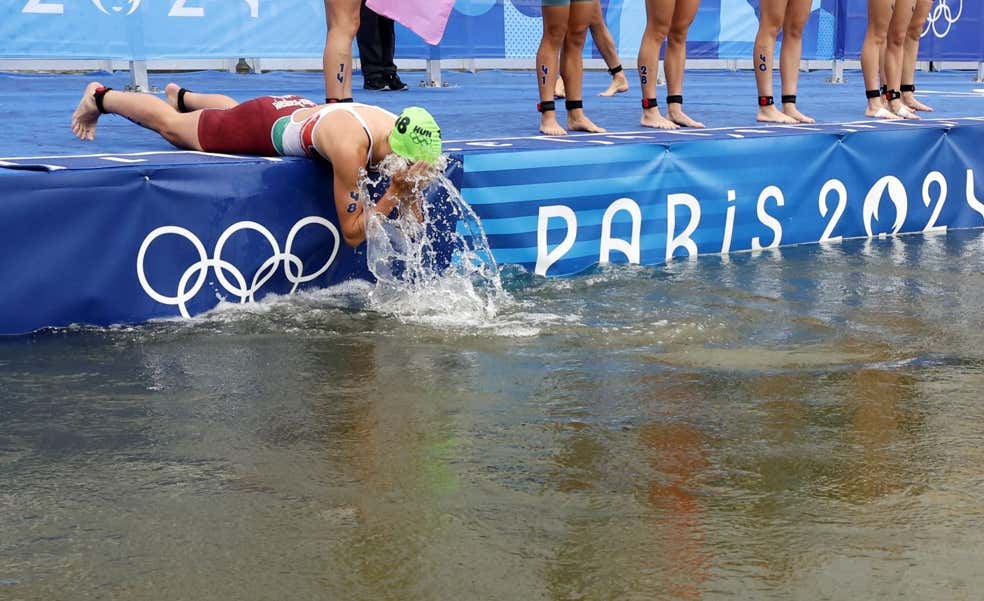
x,y
374,84
394,82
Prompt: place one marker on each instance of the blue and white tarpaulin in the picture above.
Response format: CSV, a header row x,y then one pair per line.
x,y
108,239
510,29
559,206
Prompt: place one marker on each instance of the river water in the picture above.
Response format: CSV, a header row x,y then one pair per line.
x,y
804,423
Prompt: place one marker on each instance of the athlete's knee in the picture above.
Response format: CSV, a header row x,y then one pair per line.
x,y
554,33
677,36
876,37
576,36
793,30
768,30
658,27
895,38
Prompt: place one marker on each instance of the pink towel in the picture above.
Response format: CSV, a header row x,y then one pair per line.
x,y
426,18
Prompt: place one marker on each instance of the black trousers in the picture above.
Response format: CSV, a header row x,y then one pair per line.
x,y
377,44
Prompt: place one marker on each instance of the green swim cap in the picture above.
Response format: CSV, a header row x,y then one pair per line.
x,y
416,135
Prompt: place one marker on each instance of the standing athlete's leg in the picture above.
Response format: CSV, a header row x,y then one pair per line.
x,y
556,14
797,14
894,57
879,16
659,15
910,52
343,24
771,15
180,129
572,65
675,61
605,44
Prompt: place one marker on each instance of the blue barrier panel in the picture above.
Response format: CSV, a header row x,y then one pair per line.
x,y
141,29
557,207
107,239
954,30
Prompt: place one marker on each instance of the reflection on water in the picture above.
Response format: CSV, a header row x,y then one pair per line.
x,y
795,424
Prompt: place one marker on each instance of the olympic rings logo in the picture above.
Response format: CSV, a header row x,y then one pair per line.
x,y
293,266
943,15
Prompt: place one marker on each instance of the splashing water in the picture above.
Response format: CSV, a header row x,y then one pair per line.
x,y
438,268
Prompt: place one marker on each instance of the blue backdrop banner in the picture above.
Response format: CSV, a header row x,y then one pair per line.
x,y
506,29
509,29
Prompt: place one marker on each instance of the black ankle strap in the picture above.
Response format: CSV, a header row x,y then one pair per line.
x,y
182,108
546,105
766,100
674,99
907,87
337,100
872,93
650,103
573,104
884,88
98,97
892,95
789,98
615,70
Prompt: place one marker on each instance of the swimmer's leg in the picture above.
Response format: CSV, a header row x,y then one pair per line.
x,y
555,18
180,129
185,101
771,15
659,14
797,14
605,44
675,60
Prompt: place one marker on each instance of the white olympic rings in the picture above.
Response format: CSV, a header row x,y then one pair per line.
x,y
942,14
293,266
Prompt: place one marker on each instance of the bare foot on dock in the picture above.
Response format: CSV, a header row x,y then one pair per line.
x,y
86,114
676,115
770,114
549,125
902,110
911,102
880,112
790,110
582,123
171,92
652,118
618,85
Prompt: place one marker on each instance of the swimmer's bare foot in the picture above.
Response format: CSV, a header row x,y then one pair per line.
x,y
902,110
171,92
618,85
876,110
652,118
911,102
770,114
549,125
789,109
559,91
578,121
676,115
86,114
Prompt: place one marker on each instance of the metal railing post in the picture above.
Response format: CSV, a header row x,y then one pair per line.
x,y
138,76
434,68
836,71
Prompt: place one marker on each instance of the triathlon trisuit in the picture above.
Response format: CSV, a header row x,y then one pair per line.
x,y
264,126
296,138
